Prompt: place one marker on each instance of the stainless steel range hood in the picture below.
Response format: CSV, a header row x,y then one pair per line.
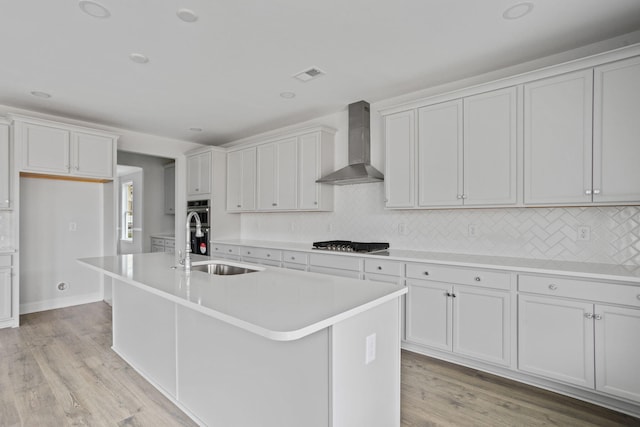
x,y
359,170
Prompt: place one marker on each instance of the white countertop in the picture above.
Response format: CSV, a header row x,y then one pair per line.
x,y
276,303
608,272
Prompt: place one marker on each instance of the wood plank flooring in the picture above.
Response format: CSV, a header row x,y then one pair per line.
x,y
58,369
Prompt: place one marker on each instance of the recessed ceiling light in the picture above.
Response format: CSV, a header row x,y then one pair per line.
x,y
94,9
139,58
187,15
195,129
517,11
40,94
287,95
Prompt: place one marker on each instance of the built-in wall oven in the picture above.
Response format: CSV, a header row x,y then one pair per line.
x,y
199,245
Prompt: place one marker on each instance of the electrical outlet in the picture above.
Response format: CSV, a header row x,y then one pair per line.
x,y
472,231
370,353
73,226
402,229
584,233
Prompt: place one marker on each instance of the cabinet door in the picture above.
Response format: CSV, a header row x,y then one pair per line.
x,y
5,294
45,149
555,339
482,324
309,160
429,314
277,175
616,150
400,141
170,189
440,154
248,178
92,155
617,350
199,174
234,181
490,148
5,170
557,139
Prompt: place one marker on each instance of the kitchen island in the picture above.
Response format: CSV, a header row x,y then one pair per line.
x,y
270,348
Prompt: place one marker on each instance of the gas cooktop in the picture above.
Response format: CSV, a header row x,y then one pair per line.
x,y
349,246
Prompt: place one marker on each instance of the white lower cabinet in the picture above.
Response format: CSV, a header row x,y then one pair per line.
x,y
469,320
5,293
295,260
589,344
336,265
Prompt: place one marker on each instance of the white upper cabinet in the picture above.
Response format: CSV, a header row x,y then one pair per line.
x,y
283,174
490,144
465,153
276,186
440,154
59,149
170,189
241,180
557,139
315,159
616,132
5,169
400,177
199,175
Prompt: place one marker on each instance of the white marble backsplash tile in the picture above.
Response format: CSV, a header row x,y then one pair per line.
x,y
541,233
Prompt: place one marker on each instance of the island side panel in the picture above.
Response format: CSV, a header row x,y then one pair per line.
x,y
367,394
144,334
230,377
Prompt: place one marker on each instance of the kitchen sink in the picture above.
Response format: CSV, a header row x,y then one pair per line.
x,y
224,269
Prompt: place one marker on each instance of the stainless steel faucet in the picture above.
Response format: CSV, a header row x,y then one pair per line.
x,y
199,233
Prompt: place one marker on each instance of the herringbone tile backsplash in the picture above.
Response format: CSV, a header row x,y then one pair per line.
x,y
542,233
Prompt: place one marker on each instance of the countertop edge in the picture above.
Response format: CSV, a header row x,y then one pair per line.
x,y
520,265
251,327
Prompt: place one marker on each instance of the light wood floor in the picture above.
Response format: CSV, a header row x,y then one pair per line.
x,y
57,369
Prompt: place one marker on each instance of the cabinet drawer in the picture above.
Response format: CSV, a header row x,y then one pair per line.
x,y
225,249
460,275
157,242
342,262
295,257
396,280
580,289
335,272
393,268
262,253
5,260
169,243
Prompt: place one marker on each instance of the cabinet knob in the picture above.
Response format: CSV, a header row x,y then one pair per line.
x,y
274,204
638,296
464,196
553,287
268,255
587,192
379,267
315,203
197,189
596,191
477,278
426,273
589,315
598,317
459,196
248,252
230,250
239,206
293,258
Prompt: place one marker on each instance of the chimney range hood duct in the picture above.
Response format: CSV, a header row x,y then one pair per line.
x,y
359,170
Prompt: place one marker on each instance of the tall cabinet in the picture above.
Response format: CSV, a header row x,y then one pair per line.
x,y
5,167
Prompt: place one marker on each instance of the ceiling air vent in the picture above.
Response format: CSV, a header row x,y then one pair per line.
x,y
309,74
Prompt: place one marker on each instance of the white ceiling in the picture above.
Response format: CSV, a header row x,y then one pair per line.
x,y
224,73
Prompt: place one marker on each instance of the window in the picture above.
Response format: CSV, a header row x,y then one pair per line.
x,y
127,211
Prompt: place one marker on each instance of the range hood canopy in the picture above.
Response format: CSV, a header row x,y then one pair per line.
x,y
359,170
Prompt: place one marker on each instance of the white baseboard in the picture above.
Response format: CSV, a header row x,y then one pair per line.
x,y
51,304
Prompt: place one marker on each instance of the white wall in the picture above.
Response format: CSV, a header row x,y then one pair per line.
x,y
49,248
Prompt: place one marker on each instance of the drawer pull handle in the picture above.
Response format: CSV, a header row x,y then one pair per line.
x,y
426,273
589,315
379,267
553,287
477,279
